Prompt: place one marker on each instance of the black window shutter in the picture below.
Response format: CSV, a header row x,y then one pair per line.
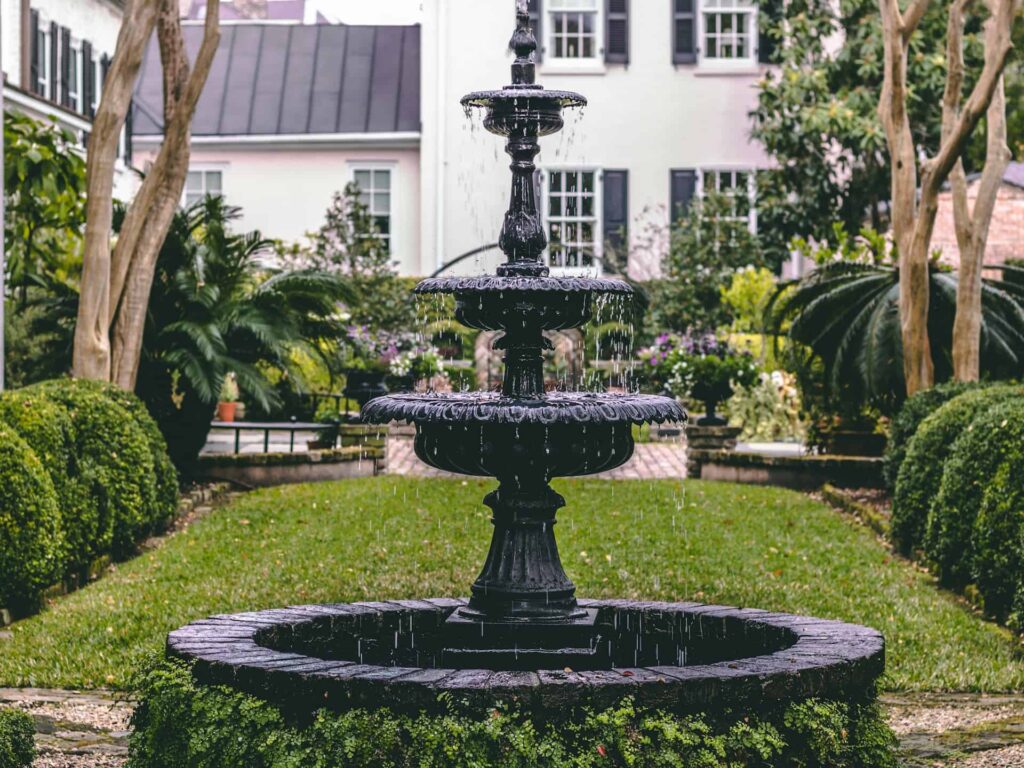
x,y
104,68
684,186
769,14
128,120
536,22
88,79
684,32
54,94
33,77
616,47
65,66
616,211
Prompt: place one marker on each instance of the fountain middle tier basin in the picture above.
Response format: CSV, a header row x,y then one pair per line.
x,y
680,656
496,303
563,434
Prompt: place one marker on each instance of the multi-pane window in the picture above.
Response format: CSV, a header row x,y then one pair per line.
x,y
74,85
573,223
375,193
44,77
574,26
739,186
729,29
200,183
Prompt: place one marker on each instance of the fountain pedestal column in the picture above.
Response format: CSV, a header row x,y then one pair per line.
x,y
522,578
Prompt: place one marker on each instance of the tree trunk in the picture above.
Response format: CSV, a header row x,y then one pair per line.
x,y
150,215
972,236
914,220
91,353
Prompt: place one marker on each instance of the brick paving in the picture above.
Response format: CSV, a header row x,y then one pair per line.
x,y
651,461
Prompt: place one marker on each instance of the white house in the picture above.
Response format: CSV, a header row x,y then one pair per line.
x,y
670,84
55,56
291,114
293,111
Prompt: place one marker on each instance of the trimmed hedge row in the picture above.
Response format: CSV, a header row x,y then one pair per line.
x,y
916,409
85,474
920,472
17,739
180,722
960,498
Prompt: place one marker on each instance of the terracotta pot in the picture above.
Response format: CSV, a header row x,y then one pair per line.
x,y
226,411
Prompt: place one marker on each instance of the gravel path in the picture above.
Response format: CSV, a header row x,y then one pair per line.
x,y
90,729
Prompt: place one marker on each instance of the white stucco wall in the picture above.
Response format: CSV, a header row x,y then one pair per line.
x,y
284,191
649,117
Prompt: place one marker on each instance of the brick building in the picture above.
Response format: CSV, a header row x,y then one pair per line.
x,y
1006,235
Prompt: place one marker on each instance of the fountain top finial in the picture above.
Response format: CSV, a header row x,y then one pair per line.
x,y
524,43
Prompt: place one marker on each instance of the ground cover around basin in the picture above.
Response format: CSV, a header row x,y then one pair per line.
x,y
390,537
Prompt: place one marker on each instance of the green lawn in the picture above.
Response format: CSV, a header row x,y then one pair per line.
x,y
393,538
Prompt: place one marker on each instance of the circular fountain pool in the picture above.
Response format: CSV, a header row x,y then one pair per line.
x,y
403,654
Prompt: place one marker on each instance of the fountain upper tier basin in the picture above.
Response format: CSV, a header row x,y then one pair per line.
x,y
494,303
524,110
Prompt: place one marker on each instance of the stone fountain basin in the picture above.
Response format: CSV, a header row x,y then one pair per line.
x,y
679,656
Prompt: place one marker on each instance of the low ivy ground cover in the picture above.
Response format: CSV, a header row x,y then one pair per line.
x,y
182,724
390,537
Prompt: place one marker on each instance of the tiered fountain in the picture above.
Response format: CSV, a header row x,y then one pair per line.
x,y
523,634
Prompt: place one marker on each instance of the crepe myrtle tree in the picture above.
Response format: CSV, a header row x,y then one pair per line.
x,y
116,280
914,184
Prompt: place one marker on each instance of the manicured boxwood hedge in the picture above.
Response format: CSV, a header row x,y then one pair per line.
x,y
49,432
180,722
994,438
31,537
17,733
114,454
95,472
998,542
915,410
166,475
920,473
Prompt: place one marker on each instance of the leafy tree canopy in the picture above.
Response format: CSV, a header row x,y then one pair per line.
x,y
816,115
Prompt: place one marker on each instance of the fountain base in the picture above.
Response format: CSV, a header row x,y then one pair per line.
x,y
677,656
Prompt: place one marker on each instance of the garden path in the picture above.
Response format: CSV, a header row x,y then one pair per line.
x,y
90,729
651,461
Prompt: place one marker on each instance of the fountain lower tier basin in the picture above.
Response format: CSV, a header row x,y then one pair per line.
x,y
494,303
678,656
561,435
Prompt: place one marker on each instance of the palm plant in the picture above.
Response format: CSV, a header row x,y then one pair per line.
x,y
217,308
844,317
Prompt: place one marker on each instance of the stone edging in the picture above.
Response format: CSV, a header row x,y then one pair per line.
x,y
821,658
801,472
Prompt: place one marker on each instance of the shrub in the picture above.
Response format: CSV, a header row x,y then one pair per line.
x,y
180,723
17,744
920,475
915,410
974,459
998,542
166,476
48,430
31,540
115,457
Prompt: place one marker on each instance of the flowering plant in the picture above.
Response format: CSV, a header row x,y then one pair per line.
x,y
699,366
398,354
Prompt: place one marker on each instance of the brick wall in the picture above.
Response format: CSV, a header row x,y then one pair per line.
x,y
1006,234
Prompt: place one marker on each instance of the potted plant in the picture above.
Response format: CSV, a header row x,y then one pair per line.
x,y
701,367
228,403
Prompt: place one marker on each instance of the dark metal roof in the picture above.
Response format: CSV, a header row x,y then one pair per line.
x,y
272,79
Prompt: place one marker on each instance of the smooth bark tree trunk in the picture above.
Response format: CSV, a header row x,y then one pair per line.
x,y
913,216
150,215
91,353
